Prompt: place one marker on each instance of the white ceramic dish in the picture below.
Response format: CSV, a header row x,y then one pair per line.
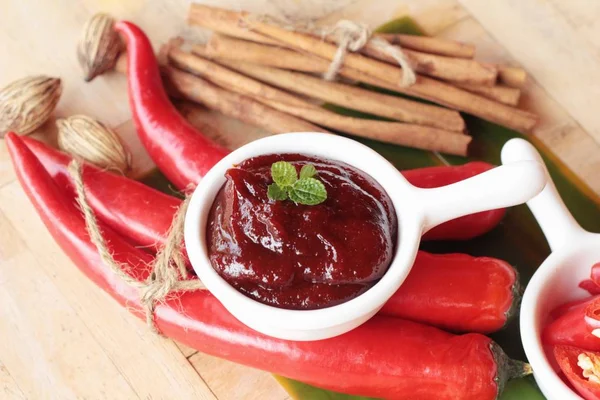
x,y
418,210
574,251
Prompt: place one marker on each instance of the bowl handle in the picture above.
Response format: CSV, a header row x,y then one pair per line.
x,y
549,210
503,186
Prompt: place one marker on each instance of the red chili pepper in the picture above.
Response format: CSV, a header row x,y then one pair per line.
x,y
184,155
567,358
398,359
472,294
466,227
457,292
145,226
181,152
573,325
134,210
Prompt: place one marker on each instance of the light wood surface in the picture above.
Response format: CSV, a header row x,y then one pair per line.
x,y
63,338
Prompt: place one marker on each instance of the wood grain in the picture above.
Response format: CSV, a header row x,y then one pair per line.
x,y
547,45
76,328
241,382
64,338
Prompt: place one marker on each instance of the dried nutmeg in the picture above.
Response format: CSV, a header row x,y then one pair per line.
x,y
92,141
27,103
99,47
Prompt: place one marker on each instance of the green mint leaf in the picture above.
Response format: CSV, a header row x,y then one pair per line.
x,y
283,173
308,191
274,192
308,171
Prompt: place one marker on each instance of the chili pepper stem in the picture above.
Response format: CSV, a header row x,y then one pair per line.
x,y
507,367
517,291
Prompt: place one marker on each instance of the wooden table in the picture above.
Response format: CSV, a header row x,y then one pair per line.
x,y
61,337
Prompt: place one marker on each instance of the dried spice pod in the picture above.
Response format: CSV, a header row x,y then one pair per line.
x,y
86,138
99,47
27,103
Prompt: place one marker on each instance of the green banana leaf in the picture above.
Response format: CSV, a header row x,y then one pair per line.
x,y
518,239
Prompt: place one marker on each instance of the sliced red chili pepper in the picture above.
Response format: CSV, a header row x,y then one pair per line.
x,y
144,227
466,227
457,292
398,358
581,368
180,151
574,325
590,286
595,275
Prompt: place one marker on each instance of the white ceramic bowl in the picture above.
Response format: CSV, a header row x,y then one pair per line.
x,y
418,210
556,281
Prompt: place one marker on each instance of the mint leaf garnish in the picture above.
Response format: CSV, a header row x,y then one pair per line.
x,y
284,174
308,171
308,191
274,192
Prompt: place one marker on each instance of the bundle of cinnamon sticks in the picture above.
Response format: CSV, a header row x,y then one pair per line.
x,y
271,76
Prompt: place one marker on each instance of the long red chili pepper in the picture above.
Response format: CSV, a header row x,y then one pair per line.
x,y
116,198
385,357
457,292
466,227
184,155
471,294
567,358
181,152
573,325
134,210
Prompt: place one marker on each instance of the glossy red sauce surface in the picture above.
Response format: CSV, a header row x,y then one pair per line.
x,y
296,256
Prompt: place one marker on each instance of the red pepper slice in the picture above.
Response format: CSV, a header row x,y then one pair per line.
x,y
574,324
595,275
181,152
398,358
146,225
457,292
466,227
568,358
590,286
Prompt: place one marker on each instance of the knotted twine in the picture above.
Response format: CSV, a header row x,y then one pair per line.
x,y
169,273
353,36
348,35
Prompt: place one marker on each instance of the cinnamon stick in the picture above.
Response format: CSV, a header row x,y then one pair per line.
x,y
398,133
512,76
362,69
410,135
503,94
237,106
348,96
431,45
354,97
181,84
452,69
224,21
225,47
230,79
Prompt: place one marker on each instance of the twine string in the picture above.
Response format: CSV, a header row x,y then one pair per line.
x,y
349,36
168,270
